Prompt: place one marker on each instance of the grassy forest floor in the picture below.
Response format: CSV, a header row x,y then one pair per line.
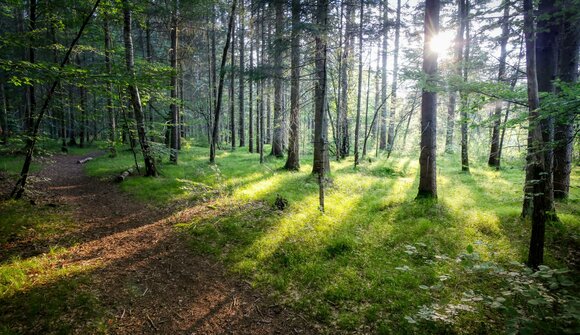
x,y
376,262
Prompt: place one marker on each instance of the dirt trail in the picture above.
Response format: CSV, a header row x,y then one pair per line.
x,y
145,274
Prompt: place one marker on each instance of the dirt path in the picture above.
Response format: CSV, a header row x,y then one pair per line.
x,y
144,272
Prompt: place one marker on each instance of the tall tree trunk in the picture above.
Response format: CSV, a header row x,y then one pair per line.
x,y
359,91
391,134
384,109
278,140
109,88
493,160
174,106
232,81
150,169
293,161
428,156
242,78
464,96
251,87
346,64
364,148
547,59
568,73
218,102
20,185
31,89
458,55
536,164
321,164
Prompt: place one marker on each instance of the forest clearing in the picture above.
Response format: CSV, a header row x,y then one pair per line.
x,y
289,167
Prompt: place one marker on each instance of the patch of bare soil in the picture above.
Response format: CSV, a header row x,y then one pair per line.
x,y
143,271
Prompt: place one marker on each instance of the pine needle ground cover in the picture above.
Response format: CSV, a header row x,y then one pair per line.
x,y
377,260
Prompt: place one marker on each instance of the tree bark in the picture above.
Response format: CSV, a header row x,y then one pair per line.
x,y
278,140
464,96
321,164
174,106
359,91
493,160
232,93
391,134
293,161
218,101
150,169
564,131
109,88
384,108
241,79
536,165
428,155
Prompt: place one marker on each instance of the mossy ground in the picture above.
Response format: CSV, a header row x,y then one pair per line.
x,y
363,265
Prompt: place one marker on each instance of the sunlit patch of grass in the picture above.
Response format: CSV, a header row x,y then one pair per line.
x,y
376,255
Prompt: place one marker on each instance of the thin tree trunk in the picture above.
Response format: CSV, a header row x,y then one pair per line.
x,y
150,169
464,96
4,124
218,102
383,120
364,148
391,134
110,110
493,160
174,106
359,95
232,82
278,140
241,79
293,161
20,185
321,164
428,156
251,88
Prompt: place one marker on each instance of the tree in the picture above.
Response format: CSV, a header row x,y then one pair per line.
x,y
174,107
383,119
321,164
109,85
568,74
241,118
277,140
359,95
220,89
394,87
494,156
536,165
293,160
464,96
150,169
428,155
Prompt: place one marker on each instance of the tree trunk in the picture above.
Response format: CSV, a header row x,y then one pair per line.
x,y
241,79
251,87
564,131
464,96
174,106
321,164
493,160
383,119
110,110
4,110
218,102
293,161
278,140
232,93
428,156
547,59
150,169
391,134
536,165
359,91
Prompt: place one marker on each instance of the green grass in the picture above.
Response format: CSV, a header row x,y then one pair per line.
x,y
366,263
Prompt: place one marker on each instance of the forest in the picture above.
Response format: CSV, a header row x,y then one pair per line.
x,y
289,167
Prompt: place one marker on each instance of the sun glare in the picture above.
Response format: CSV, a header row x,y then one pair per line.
x,y
442,42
